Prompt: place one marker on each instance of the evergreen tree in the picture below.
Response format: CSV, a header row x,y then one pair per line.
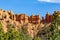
x,y
23,34
10,33
54,27
37,38
1,32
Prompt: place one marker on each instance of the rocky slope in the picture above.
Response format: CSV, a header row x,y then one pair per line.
x,y
17,21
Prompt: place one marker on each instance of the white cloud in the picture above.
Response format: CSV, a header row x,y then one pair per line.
x,y
52,1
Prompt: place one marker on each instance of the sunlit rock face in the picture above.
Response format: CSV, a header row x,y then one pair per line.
x,y
20,20
35,19
32,23
4,15
48,18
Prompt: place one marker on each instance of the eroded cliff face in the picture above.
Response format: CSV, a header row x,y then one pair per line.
x,y
48,18
18,21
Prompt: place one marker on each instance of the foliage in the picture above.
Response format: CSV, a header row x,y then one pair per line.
x,y
54,27
52,32
23,34
1,32
13,34
37,38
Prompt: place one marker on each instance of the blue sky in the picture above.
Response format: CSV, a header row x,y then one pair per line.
x,y
29,7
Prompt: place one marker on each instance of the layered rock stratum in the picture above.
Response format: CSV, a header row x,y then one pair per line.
x,y
32,23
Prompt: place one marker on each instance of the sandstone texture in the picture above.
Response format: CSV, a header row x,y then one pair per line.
x,y
17,21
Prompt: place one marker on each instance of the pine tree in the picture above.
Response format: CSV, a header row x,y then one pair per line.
x,y
10,33
1,32
23,34
54,27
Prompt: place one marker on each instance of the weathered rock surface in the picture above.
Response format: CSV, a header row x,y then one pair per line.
x,y
32,23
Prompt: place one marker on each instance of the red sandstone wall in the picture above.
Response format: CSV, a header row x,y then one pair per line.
x,y
48,19
35,19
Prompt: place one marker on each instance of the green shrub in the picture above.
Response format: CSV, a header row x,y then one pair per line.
x,y
54,27
23,34
1,32
37,38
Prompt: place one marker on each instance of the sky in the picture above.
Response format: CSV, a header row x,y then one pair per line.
x,y
29,7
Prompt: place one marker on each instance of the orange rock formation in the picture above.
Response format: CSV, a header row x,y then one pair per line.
x,y
32,23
